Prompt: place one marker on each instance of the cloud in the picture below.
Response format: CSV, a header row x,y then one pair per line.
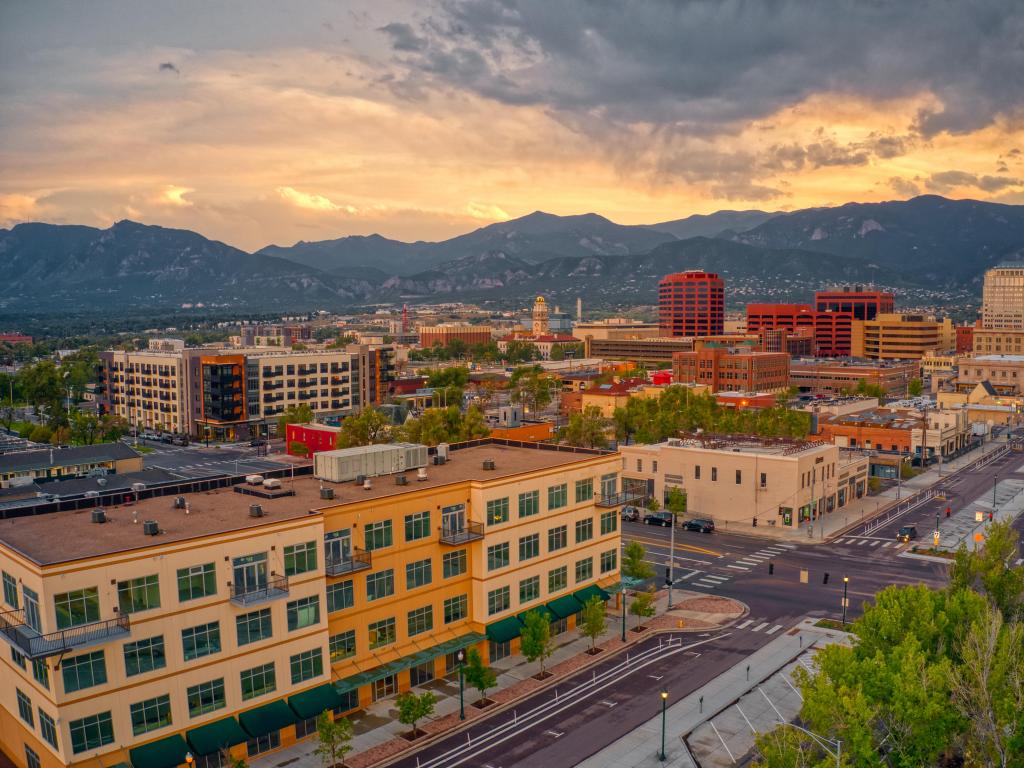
x,y
312,202
947,180
403,38
904,187
486,212
169,66
17,208
175,195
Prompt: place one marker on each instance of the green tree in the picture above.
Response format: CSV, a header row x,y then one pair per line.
x,y
86,428
412,708
634,564
334,739
585,429
478,674
369,427
449,383
40,383
517,351
112,428
445,425
531,387
652,504
869,390
915,387
535,641
642,606
990,570
676,503
592,623
297,448
294,414
40,434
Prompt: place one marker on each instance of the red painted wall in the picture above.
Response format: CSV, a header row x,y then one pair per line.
x,y
315,437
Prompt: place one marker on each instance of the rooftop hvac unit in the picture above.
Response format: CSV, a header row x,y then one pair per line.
x,y
92,494
150,528
442,450
99,516
254,479
488,464
137,487
327,493
360,479
255,510
401,480
271,483
179,502
421,473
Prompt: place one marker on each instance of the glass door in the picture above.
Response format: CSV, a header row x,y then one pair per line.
x,y
453,520
31,608
250,573
338,546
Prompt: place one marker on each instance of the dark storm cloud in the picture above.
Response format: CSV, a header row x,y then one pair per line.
x,y
169,66
705,65
947,180
904,187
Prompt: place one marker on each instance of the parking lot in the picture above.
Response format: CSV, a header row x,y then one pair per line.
x,y
199,461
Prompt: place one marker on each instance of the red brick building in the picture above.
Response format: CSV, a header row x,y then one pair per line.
x,y
691,303
854,300
964,339
15,338
831,330
726,369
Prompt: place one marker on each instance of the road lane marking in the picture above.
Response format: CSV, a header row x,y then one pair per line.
x,y
748,562
708,584
759,627
713,577
752,728
875,543
712,724
887,544
556,734
774,629
737,567
862,542
685,547
745,624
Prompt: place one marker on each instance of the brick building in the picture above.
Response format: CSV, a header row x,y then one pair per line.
x,y
729,369
691,303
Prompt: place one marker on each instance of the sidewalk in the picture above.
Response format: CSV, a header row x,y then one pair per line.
x,y
639,748
377,732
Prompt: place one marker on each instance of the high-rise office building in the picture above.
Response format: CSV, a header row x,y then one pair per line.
x,y
860,303
691,303
1002,298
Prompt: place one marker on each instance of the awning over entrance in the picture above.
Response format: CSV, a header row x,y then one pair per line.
x,y
420,657
541,609
266,719
504,630
162,753
314,701
213,737
583,595
564,607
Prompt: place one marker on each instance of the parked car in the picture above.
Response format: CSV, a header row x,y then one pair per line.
x,y
699,525
906,533
658,518
631,513
257,442
180,440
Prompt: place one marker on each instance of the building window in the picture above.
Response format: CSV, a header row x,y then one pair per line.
x,y
421,674
342,645
10,590
41,672
305,727
609,560
497,511
764,479
498,600
139,594
558,538
48,728
150,714
196,581
381,584
25,707
263,744
382,633
377,535
714,474
584,530
253,627
739,477
258,681
300,558
584,490
609,485
584,569
417,526
497,556
18,657
82,606
529,590
418,574
307,665
91,732
456,608
558,579
609,522
340,595
144,656
639,465
205,697
529,546
84,671
558,496
31,758
497,651
201,641
654,466
421,620
304,612
529,503
453,563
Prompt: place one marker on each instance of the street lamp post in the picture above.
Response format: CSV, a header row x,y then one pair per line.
x,y
623,595
995,482
846,583
462,703
189,760
664,704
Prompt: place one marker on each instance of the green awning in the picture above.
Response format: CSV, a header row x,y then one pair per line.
x,y
448,646
565,606
583,595
504,630
162,753
314,701
213,737
267,719
541,609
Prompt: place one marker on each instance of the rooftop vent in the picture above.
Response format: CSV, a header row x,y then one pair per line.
x,y
401,480
255,510
150,528
360,479
488,464
91,494
439,459
421,474
327,493
366,484
179,502
442,450
99,516
138,487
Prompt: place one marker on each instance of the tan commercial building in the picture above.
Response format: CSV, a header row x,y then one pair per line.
x,y
1005,373
615,328
1002,298
231,618
445,333
840,377
739,479
901,337
997,341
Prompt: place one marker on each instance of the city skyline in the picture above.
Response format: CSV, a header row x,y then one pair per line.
x,y
427,121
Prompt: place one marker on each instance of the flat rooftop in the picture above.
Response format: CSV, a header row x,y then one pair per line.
x,y
224,510
738,444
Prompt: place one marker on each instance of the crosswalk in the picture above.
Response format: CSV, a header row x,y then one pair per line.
x,y
855,541
760,626
696,577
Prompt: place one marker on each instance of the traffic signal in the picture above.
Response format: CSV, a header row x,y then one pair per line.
x,y
990,516
771,568
826,578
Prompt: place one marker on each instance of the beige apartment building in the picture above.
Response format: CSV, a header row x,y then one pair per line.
x,y
616,328
735,480
1002,298
1005,373
998,341
901,337
230,619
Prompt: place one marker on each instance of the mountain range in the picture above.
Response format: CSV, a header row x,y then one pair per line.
x,y
928,248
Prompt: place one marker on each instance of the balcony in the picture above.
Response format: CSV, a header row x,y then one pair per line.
x,y
618,499
274,589
37,646
338,566
462,535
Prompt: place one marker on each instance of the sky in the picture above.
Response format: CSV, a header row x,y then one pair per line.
x,y
258,122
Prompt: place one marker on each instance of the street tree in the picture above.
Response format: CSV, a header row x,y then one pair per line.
x,y
915,387
592,621
294,414
990,570
585,429
634,564
676,503
531,387
86,428
479,675
412,708
334,739
642,606
536,643
370,427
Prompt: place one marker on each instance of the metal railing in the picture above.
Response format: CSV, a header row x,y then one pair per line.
x,y
359,560
469,532
37,646
273,589
624,497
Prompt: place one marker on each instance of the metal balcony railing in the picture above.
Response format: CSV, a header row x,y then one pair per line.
x,y
624,497
38,646
273,589
454,536
359,560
